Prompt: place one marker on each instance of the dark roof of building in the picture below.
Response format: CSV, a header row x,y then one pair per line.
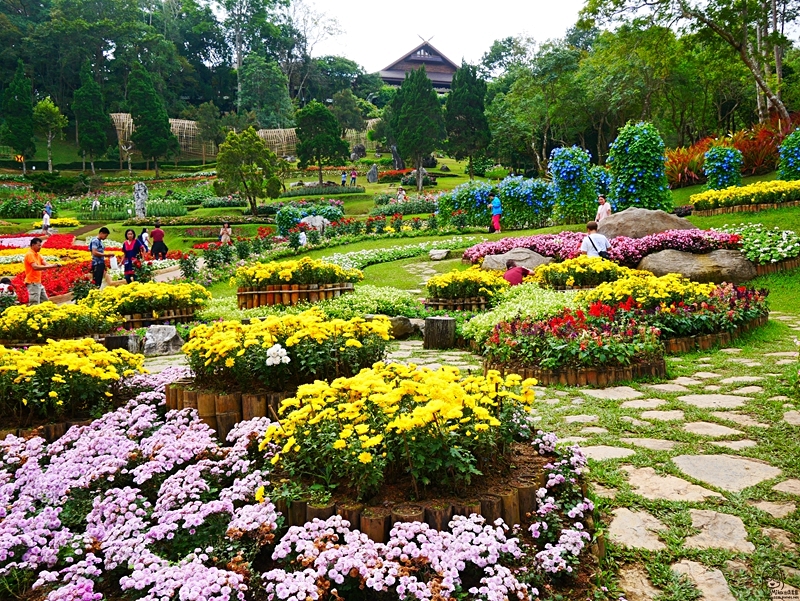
x,y
439,68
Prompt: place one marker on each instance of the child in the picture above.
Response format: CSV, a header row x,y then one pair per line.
x,y
6,289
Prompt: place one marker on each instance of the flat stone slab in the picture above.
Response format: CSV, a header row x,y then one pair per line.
x,y
684,381
604,491
706,375
581,419
604,452
742,379
775,509
731,351
594,430
782,354
615,393
709,429
643,404
654,444
669,387
727,472
633,421
718,531
664,416
739,418
785,362
791,487
647,483
637,587
714,401
710,582
712,388
748,390
735,445
792,418
780,538
572,439
636,529
780,397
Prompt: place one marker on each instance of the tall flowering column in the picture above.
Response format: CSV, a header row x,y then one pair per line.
x,y
638,172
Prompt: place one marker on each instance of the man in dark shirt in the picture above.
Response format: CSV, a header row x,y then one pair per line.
x,y
514,274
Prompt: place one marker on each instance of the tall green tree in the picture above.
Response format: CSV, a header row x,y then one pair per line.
x,y
209,127
246,165
265,90
49,122
318,137
347,112
93,121
417,121
465,119
17,111
152,134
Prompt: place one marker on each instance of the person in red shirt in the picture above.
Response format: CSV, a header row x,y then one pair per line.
x,y
159,249
515,274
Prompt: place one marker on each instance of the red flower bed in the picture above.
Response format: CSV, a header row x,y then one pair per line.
x,y
394,175
55,281
60,241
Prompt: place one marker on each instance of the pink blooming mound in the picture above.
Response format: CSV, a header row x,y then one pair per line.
x,y
626,251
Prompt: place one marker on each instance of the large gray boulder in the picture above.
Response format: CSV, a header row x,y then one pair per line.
x,y
523,256
716,266
438,254
162,340
401,327
318,222
638,223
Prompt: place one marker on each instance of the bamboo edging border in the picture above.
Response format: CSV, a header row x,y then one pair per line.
x,y
705,342
477,303
138,320
290,294
595,377
753,208
785,265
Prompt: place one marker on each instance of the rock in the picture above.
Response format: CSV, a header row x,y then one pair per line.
x,y
572,439
604,492
645,482
706,375
709,429
684,381
593,430
637,587
633,421
782,354
664,416
741,379
140,199
444,168
727,472
636,529
792,418
128,342
781,538
616,393
735,445
710,582
643,404
717,266
523,256
748,390
580,419
439,254
791,487
638,223
718,531
419,325
603,452
162,340
318,222
775,509
654,444
372,174
739,418
402,327
669,387
714,401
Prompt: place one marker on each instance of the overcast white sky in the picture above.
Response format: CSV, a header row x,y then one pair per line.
x,y
376,34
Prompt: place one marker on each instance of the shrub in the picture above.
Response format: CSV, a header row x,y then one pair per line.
x,y
411,180
636,160
471,197
480,165
290,215
188,263
149,298
761,192
526,202
224,201
575,199
166,208
383,198
53,183
580,271
316,190
496,173
22,206
393,175
304,271
722,167
789,163
412,205
216,255
473,282
47,320
684,166
602,180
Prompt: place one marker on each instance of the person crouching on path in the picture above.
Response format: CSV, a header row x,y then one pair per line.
x,y
497,210
515,274
34,265
132,248
98,250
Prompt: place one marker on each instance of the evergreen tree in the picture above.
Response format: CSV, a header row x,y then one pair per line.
x,y
246,166
265,89
17,110
49,121
348,114
209,126
152,134
318,137
467,126
417,120
93,121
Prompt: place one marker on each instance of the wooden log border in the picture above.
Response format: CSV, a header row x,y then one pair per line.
x,y
753,208
785,265
99,338
290,294
594,377
707,341
477,303
139,320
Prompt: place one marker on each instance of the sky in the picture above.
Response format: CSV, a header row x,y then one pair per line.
x,y
376,34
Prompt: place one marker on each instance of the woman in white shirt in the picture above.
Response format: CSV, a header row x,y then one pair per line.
x,y
604,210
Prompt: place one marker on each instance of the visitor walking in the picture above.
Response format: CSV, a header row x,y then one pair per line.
x,y
497,211
353,176
98,250
48,206
144,238
344,177
132,248
34,265
225,233
159,248
594,244
95,206
515,273
45,222
603,209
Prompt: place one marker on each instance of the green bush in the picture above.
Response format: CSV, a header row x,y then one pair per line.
x,y
789,162
480,165
638,173
574,188
53,183
722,167
602,179
166,208
412,206
472,197
21,207
411,180
317,191
227,202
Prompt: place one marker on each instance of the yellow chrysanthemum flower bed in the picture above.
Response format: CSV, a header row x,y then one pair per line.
x,y
437,426
470,283
60,222
11,259
233,355
649,290
148,298
39,322
761,192
60,378
580,271
302,271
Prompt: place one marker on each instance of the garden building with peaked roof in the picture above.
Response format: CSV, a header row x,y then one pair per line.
x,y
439,68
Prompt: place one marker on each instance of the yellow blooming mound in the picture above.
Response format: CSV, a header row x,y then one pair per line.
x,y
60,222
761,192
580,271
437,426
470,283
47,320
60,378
303,271
243,357
649,290
149,298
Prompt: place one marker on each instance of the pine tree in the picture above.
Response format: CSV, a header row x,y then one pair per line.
x,y
318,137
417,120
465,120
152,134
17,110
93,121
49,121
